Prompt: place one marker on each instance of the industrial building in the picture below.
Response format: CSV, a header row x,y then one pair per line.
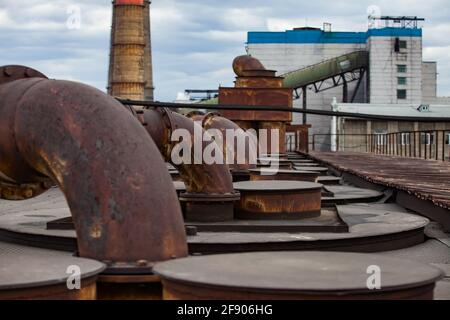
x,y
380,66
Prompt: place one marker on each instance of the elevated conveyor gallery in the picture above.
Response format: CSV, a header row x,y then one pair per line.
x,y
333,69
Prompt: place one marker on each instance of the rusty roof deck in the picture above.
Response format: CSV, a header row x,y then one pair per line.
x,y
425,179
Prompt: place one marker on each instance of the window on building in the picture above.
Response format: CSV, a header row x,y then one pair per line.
x,y
447,138
402,81
405,139
402,68
380,138
403,44
402,94
427,138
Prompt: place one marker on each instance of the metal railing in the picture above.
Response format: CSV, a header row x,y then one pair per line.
x,y
428,144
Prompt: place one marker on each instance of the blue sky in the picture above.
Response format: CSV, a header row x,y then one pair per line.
x,y
194,42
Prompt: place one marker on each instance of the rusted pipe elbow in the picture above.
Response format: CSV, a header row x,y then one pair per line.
x,y
243,148
121,197
206,184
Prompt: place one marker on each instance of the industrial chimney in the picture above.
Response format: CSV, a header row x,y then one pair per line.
x,y
130,68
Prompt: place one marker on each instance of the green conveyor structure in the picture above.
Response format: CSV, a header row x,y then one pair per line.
x,y
326,69
321,71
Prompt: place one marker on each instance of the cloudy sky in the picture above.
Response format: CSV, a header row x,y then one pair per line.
x,y
194,42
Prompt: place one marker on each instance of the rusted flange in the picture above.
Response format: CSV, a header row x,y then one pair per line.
x,y
9,188
13,73
240,175
278,200
209,207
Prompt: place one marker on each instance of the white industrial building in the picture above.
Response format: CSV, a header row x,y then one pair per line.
x,y
395,72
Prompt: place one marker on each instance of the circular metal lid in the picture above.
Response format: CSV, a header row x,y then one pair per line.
x,y
25,267
320,272
273,185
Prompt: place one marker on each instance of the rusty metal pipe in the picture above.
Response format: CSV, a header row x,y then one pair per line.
x,y
242,162
125,208
207,185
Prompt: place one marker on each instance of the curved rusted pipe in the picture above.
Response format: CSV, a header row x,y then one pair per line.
x,y
121,197
215,121
208,183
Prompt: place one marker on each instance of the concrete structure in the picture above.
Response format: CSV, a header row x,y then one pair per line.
x,y
395,73
130,70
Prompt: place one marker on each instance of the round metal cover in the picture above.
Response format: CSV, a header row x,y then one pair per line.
x,y
298,272
24,267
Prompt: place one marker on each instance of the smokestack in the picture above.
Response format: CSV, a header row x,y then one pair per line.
x,y
148,64
130,69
